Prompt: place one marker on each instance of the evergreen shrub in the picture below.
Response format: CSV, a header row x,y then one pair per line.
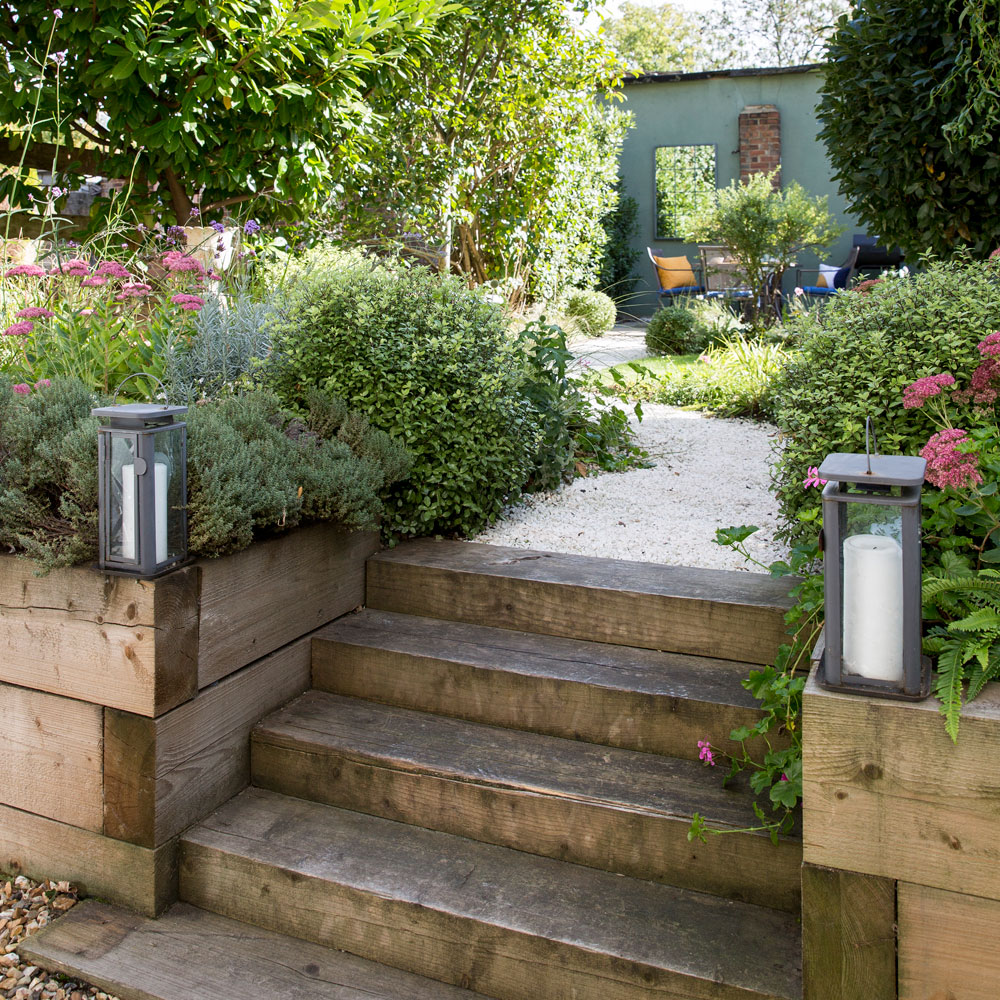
x,y
868,345
673,330
593,313
425,359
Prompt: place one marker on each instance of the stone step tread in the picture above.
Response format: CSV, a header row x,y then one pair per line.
x,y
320,723
731,615
598,664
193,954
659,938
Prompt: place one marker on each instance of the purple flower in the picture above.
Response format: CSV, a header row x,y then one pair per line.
x,y
59,57
19,329
251,226
58,13
176,234
218,227
22,389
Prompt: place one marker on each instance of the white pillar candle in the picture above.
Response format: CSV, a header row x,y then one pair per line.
x,y
160,509
873,607
128,512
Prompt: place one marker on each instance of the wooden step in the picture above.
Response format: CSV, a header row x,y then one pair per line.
x,y
191,954
729,615
618,810
511,925
639,699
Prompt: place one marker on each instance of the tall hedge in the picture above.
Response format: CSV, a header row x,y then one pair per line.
x,y
910,121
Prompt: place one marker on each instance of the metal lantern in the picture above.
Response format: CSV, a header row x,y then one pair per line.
x,y
142,496
871,575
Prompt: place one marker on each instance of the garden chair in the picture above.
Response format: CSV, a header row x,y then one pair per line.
x,y
722,275
830,278
675,276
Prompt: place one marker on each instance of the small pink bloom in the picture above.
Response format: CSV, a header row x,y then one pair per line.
x,y
190,303
86,312
112,269
812,478
178,263
76,268
799,290
34,312
95,282
784,777
995,254
19,329
990,346
22,388
946,464
705,753
42,383
26,271
134,290
917,393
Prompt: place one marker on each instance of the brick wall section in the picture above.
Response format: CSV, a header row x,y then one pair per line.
x,y
760,140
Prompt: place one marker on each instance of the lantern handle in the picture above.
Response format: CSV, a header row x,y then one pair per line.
x,y
114,398
869,449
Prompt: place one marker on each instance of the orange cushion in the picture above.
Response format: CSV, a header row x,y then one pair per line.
x,y
674,272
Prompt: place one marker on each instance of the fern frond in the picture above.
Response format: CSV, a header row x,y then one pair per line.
x,y
981,620
985,582
948,684
980,676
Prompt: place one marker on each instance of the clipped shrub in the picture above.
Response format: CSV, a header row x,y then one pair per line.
x,y
593,313
673,330
253,469
425,359
869,345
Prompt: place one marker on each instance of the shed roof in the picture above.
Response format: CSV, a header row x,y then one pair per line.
x,y
670,77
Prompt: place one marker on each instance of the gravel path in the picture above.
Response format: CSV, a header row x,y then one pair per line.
x,y
709,473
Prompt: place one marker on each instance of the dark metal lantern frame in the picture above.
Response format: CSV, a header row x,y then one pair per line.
x,y
141,424
869,479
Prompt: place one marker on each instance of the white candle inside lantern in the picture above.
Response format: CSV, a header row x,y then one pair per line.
x,y
159,510
873,607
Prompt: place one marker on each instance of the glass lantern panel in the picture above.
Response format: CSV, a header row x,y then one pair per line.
x,y
872,591
123,499
168,484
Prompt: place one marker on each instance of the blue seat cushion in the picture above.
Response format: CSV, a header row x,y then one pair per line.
x,y
684,290
819,290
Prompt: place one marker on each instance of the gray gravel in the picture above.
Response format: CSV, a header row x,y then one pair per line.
x,y
709,473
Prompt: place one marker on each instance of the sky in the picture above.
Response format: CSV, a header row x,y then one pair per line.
x,y
611,7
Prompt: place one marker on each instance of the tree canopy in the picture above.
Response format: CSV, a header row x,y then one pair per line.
x,y
910,121
208,102
651,39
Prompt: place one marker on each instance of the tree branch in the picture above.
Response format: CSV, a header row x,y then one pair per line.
x,y
236,200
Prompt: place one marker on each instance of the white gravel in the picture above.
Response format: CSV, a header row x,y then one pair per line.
x,y
709,473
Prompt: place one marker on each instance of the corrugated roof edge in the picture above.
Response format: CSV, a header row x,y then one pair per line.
x,y
663,77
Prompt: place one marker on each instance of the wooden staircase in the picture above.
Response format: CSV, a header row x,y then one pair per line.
x,y
488,789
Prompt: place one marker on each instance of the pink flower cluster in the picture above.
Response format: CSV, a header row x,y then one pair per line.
x,y
812,478
178,263
705,752
23,389
19,329
96,281
990,346
134,290
76,268
919,392
112,269
946,465
34,312
25,271
189,303
981,390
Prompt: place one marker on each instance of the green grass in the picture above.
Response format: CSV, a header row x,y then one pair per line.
x,y
661,366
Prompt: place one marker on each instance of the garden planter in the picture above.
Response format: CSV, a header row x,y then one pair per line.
x,y
203,245
904,823
126,705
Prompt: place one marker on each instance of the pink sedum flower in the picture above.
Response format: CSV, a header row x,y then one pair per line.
x,y
19,329
705,753
34,312
946,465
916,394
75,268
22,388
26,271
112,269
990,346
189,303
179,263
96,281
43,383
134,290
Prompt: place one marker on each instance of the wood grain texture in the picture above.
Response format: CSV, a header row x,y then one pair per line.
x,y
190,954
50,756
848,935
886,792
161,775
108,640
729,615
947,945
141,879
639,699
258,600
503,922
608,808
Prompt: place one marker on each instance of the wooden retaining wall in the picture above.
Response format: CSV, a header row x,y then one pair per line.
x,y
901,843
126,705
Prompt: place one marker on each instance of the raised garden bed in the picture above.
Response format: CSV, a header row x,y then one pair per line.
x,y
126,705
